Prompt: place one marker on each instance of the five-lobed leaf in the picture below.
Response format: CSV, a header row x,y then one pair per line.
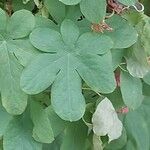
x,y
19,25
63,67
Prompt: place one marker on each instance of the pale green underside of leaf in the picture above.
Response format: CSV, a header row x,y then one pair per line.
x,y
131,89
105,121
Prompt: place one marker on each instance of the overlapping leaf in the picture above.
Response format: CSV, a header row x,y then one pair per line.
x,y
12,30
131,89
42,131
67,59
18,135
94,11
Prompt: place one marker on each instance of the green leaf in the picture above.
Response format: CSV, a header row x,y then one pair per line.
x,y
20,24
118,144
42,131
58,125
89,41
70,2
23,50
131,89
123,34
18,4
18,136
109,125
46,40
42,65
133,122
97,72
45,22
147,78
71,101
3,19
13,98
97,143
5,119
94,10
69,32
117,55
56,9
61,69
75,136
128,2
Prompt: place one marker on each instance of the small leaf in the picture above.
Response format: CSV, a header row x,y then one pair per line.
x,y
97,143
3,19
70,2
58,125
21,24
71,101
105,121
42,131
33,74
94,10
89,41
69,32
5,119
97,72
56,9
133,122
123,34
13,98
18,136
75,136
128,2
147,78
46,40
131,89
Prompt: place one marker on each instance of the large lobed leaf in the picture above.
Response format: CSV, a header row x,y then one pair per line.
x,y
65,65
17,27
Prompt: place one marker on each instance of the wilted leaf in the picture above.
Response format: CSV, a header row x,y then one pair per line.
x,y
105,121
